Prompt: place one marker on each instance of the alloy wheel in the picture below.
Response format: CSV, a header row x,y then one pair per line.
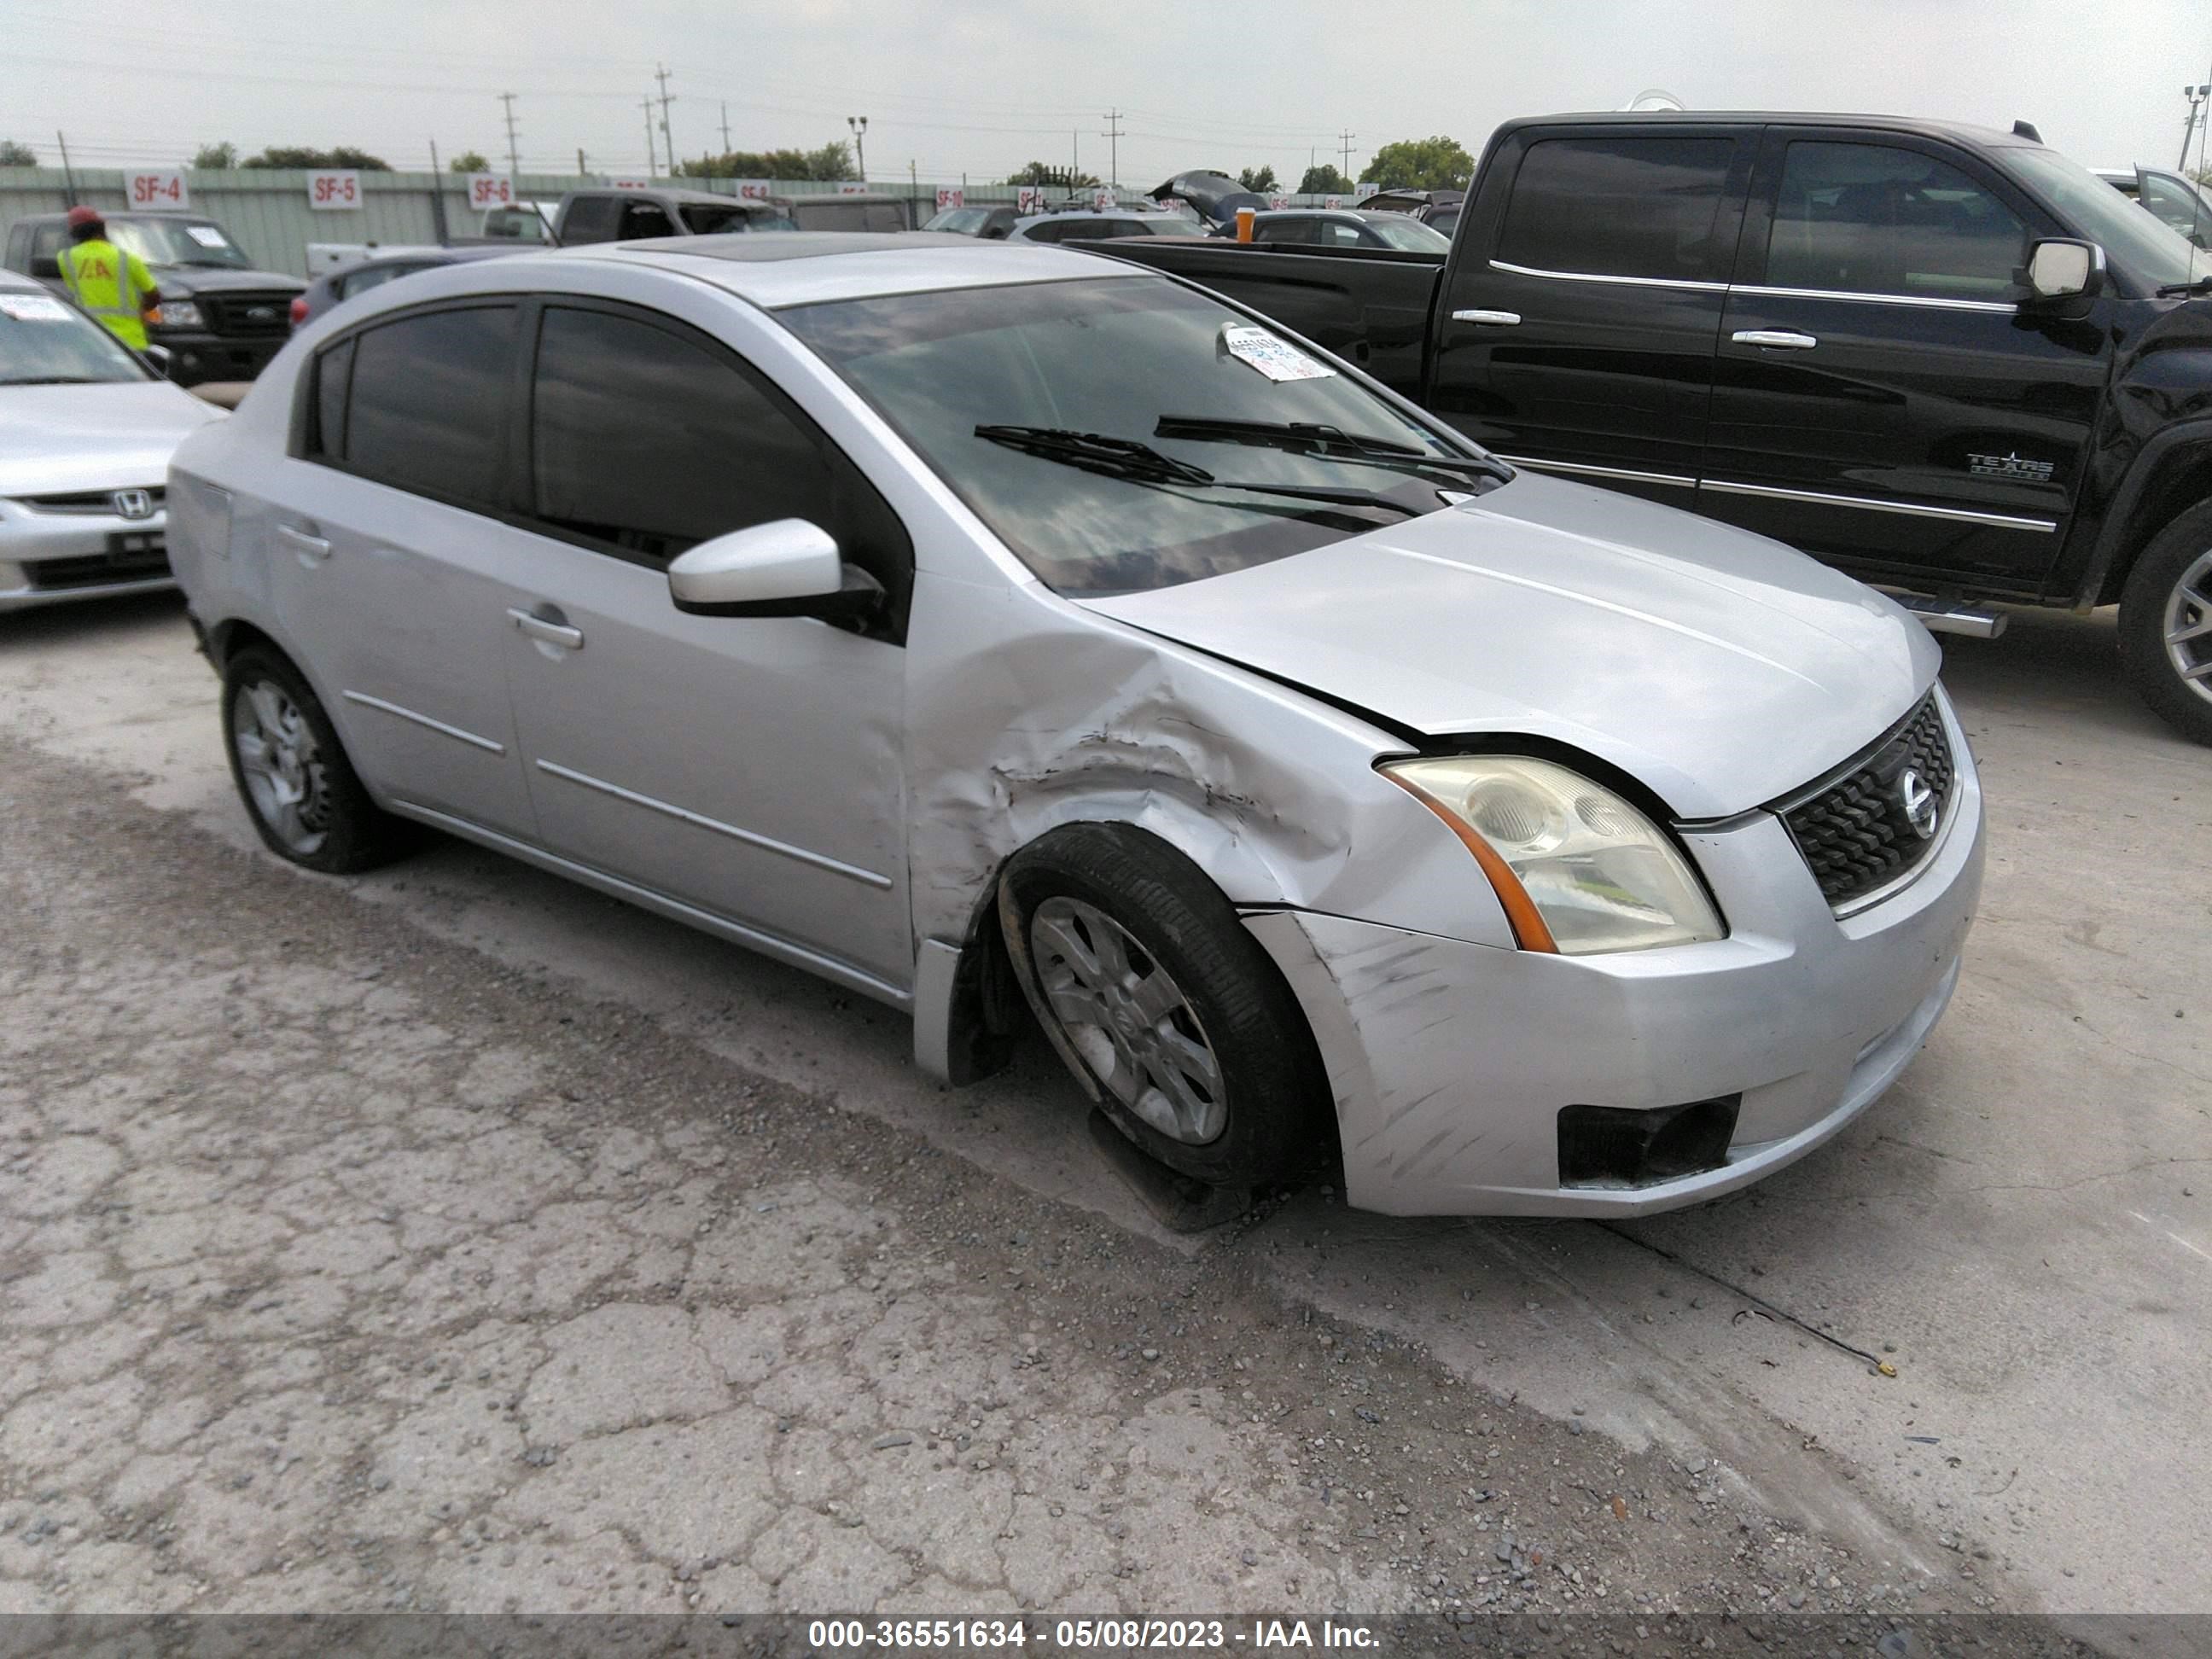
x,y
2187,627
1120,1009
282,763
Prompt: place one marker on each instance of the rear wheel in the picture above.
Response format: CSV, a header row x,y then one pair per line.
x,y
2165,624
300,791
1169,1012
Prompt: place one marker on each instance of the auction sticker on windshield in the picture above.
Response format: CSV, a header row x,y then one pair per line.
x,y
206,235
33,309
1279,360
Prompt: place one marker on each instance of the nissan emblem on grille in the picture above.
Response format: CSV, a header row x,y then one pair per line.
x,y
133,504
1918,801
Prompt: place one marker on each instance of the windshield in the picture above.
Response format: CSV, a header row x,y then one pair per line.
x,y
178,242
1122,359
44,341
1410,235
2132,240
960,220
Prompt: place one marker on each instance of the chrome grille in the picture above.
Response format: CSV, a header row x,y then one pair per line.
x,y
100,502
1854,833
235,315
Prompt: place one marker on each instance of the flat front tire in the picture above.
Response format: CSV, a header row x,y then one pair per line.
x,y
2165,624
306,802
1168,1013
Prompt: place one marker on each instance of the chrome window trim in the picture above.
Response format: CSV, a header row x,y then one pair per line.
x,y
1582,469
2001,308
1624,282
751,838
1912,509
438,726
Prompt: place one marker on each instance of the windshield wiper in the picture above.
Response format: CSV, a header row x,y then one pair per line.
x,y
1125,458
2200,285
54,380
1314,438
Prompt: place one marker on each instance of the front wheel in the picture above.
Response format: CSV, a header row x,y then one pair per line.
x,y
2165,624
1167,1011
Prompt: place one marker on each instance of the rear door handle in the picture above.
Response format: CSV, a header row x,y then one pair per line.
x,y
311,548
1784,339
1494,318
553,633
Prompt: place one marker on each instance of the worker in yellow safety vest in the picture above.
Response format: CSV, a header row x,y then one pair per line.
x,y
114,285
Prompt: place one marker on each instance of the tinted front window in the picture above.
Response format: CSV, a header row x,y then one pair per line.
x,y
649,443
960,221
1621,207
428,407
2135,240
1873,219
45,341
591,219
1116,357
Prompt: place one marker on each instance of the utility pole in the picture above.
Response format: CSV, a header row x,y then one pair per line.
x,y
661,75
513,159
860,125
1113,137
2195,96
581,170
1346,138
652,156
725,129
68,172
1074,160
437,196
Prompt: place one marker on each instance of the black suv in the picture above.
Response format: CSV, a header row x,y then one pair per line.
x,y
219,319
1946,358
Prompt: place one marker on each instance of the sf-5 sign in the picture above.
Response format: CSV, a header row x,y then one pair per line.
x,y
334,190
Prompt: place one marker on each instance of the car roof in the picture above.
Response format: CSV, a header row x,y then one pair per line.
x,y
14,280
802,267
1361,215
670,193
434,255
1744,117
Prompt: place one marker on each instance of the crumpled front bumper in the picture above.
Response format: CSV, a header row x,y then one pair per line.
x,y
1450,1061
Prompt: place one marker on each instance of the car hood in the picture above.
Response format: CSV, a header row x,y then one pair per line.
x,y
1721,669
57,440
213,279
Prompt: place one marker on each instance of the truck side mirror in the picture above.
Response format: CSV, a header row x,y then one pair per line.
x,y
2061,269
46,268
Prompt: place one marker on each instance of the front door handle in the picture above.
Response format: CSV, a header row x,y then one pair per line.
x,y
552,633
1783,339
312,549
1494,318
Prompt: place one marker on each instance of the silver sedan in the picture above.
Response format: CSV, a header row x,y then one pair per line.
x,y
85,433
1004,632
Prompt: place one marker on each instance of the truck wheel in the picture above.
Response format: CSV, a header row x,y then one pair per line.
x,y
2165,624
1168,1013
298,789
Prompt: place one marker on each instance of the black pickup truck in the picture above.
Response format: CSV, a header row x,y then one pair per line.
x,y
1946,358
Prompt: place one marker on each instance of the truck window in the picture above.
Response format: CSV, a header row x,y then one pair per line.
x,y
644,220
1877,218
591,219
1620,207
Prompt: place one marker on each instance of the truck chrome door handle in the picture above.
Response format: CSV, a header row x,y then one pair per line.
x,y
553,633
311,548
1781,338
1495,319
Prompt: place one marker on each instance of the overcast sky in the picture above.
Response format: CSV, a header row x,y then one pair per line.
x,y
974,86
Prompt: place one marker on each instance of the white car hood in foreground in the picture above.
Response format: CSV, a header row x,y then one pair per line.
x,y
1721,669
56,440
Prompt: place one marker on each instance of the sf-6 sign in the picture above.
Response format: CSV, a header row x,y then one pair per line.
x,y
334,190
157,187
490,190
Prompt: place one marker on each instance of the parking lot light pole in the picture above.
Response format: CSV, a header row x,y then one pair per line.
x,y
2195,96
860,125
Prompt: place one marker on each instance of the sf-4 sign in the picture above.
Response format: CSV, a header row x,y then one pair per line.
x,y
334,190
157,187
490,190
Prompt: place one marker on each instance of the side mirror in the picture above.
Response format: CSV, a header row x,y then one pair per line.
x,y
2062,270
158,358
788,568
46,268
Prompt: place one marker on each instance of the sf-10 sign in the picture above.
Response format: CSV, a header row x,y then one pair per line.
x,y
157,187
334,190
490,190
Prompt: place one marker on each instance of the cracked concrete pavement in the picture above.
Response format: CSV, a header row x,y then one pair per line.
x,y
452,1237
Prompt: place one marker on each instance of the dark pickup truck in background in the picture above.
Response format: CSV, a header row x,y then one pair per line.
x,y
1946,358
219,319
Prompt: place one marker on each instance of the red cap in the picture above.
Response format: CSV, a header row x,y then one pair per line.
x,y
84,215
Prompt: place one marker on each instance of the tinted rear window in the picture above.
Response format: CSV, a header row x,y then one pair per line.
x,y
591,219
1621,207
427,412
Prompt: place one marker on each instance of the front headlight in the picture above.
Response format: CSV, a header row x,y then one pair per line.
x,y
177,314
1578,868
